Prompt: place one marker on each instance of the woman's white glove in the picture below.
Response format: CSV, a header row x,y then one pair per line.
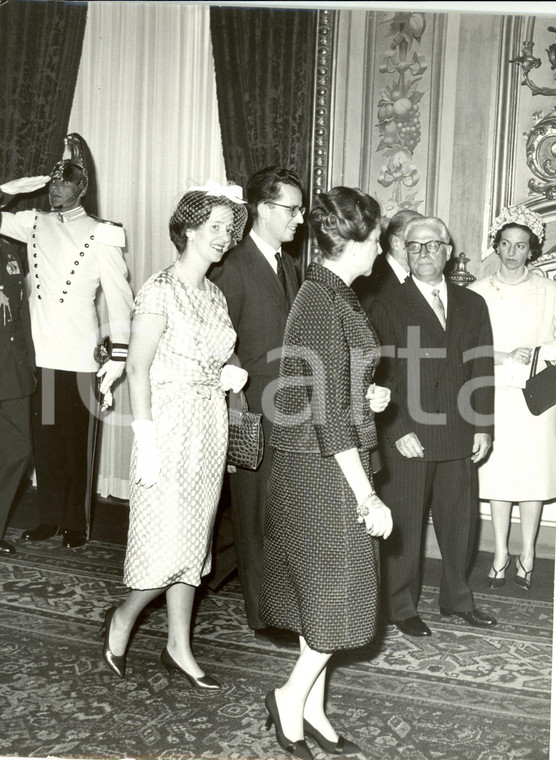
x,y
232,378
24,185
378,397
147,468
376,516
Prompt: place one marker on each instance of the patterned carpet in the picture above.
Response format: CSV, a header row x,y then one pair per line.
x,y
461,695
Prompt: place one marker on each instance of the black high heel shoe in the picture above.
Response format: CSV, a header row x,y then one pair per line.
x,y
205,682
518,580
298,748
495,581
115,663
342,747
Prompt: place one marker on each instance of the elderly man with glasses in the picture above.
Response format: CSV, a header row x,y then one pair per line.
x,y
438,363
259,281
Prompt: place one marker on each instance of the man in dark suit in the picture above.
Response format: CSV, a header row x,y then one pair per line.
x,y
438,363
260,283
17,374
391,268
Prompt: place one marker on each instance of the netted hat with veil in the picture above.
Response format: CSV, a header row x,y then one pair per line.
x,y
196,205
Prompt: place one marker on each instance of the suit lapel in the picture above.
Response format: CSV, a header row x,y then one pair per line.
x,y
291,278
264,275
422,313
458,314
458,310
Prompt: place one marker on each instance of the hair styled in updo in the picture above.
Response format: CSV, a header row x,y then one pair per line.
x,y
340,215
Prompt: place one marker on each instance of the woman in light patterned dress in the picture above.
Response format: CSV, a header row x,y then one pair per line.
x,y
181,339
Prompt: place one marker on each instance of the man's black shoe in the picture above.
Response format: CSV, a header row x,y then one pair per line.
x,y
6,548
473,617
71,539
413,626
277,636
39,534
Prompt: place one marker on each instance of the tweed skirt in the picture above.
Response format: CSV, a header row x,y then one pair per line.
x,y
320,570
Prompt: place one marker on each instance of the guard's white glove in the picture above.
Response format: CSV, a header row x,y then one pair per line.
x,y
147,468
232,378
379,397
107,401
109,373
24,185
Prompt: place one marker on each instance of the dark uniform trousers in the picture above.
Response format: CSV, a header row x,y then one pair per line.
x,y
15,451
17,380
61,409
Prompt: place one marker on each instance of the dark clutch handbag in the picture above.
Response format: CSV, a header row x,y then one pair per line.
x,y
540,388
245,435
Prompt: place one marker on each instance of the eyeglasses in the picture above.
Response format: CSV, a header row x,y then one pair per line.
x,y
294,210
431,246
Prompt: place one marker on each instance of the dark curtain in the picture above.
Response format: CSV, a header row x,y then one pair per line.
x,y
264,63
40,50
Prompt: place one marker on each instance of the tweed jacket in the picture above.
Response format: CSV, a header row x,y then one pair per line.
x,y
441,381
330,353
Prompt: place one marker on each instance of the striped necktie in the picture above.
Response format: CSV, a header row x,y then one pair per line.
x,y
438,308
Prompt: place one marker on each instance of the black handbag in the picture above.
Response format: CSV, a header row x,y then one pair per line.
x,y
245,434
540,388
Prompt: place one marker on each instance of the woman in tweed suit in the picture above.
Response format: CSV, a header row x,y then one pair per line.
x,y
320,573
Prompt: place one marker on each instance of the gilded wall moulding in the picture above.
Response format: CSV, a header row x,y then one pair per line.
x,y
322,114
540,151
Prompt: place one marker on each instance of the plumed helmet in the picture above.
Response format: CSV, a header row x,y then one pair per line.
x,y
74,166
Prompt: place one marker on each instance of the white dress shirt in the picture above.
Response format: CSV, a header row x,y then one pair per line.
x,y
267,250
427,289
401,273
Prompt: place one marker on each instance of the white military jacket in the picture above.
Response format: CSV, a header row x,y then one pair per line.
x,y
70,256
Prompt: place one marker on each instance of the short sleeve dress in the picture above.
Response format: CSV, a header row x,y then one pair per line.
x,y
320,570
171,524
521,464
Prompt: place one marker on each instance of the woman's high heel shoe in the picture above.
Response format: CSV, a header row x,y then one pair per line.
x,y
205,682
518,580
115,663
341,747
298,748
495,581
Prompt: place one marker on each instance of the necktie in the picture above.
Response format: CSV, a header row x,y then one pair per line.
x,y
438,308
280,272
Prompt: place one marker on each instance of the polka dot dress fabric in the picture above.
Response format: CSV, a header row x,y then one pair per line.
x,y
171,523
321,569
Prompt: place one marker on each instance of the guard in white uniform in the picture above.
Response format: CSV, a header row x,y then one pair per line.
x,y
71,255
